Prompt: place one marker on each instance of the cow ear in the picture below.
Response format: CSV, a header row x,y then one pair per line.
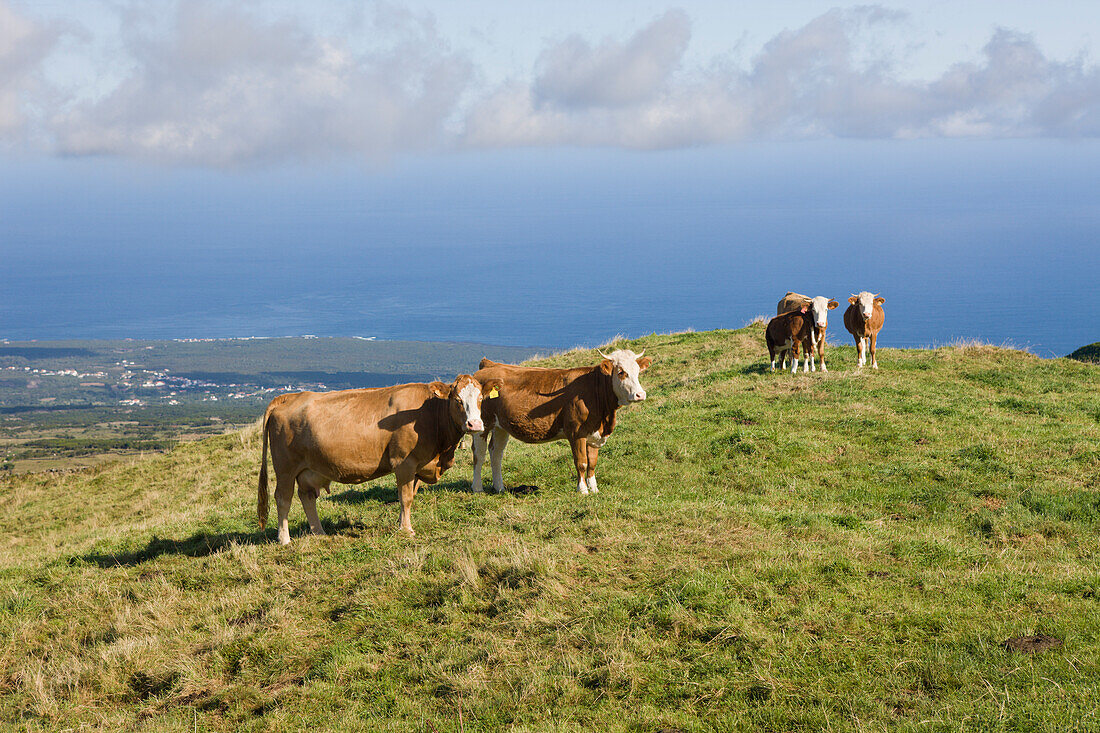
x,y
833,305
644,362
853,299
440,390
491,388
606,366
880,301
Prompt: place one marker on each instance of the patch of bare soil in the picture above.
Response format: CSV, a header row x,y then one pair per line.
x,y
1032,644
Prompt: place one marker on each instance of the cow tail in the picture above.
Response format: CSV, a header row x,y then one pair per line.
x,y
262,498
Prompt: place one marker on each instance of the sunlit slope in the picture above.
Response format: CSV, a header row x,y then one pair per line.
x,y
767,551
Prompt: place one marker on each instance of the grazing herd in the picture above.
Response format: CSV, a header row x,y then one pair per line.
x,y
800,321
413,430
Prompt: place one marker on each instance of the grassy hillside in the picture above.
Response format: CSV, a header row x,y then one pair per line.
x,y
843,551
1090,353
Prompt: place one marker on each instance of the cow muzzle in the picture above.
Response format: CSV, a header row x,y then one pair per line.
x,y
638,396
474,426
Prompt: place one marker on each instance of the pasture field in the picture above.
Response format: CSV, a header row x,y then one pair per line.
x,y
841,551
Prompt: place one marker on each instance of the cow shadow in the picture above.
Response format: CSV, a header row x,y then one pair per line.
x,y
202,544
387,493
759,368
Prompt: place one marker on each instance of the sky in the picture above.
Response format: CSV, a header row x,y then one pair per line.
x,y
209,165
251,84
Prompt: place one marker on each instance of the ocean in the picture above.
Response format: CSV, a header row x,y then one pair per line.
x,y
993,241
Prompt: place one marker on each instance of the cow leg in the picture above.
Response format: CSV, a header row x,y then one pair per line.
x,y
794,358
590,475
481,444
859,350
807,356
874,346
821,353
580,460
284,495
496,457
309,488
406,491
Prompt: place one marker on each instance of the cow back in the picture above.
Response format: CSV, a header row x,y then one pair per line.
x,y
790,302
537,404
351,435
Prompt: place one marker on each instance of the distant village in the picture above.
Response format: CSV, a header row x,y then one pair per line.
x,y
150,386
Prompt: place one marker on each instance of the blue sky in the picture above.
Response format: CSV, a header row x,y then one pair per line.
x,y
225,85
278,167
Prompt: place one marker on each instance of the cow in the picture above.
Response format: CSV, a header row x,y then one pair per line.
x,y
819,307
785,332
539,405
355,435
863,319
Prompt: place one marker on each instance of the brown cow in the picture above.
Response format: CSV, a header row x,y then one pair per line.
x,y
819,307
539,405
784,333
864,319
355,435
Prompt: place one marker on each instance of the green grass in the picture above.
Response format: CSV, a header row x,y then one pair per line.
x,y
843,551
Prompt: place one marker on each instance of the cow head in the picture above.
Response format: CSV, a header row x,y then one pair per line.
x,y
820,307
866,303
625,369
464,398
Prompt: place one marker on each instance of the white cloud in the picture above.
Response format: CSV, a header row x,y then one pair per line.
x,y
224,87
23,46
573,74
213,84
816,81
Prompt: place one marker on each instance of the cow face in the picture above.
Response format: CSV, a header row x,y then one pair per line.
x,y
464,397
625,369
866,303
820,307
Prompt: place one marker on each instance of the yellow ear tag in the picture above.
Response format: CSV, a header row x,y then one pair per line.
x,y
493,393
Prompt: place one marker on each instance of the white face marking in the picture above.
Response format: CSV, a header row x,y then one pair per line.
x,y
820,308
626,376
866,303
470,397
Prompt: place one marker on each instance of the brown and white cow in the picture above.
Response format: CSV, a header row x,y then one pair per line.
x,y
355,435
786,332
539,405
819,307
863,319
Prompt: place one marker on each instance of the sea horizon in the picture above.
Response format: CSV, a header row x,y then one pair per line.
x,y
549,250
